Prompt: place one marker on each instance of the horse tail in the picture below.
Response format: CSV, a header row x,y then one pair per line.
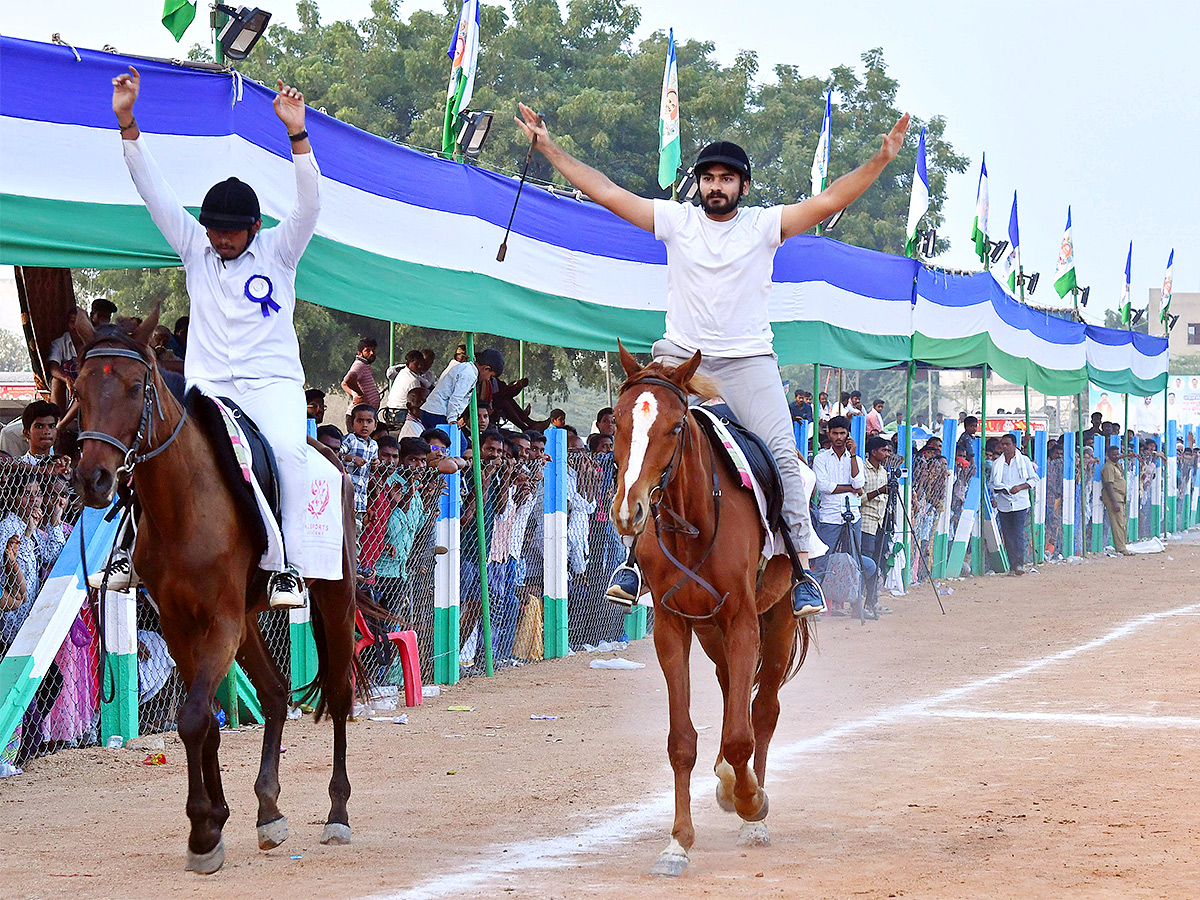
x,y
314,693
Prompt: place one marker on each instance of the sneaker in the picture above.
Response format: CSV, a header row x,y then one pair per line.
x,y
286,590
121,576
807,599
625,586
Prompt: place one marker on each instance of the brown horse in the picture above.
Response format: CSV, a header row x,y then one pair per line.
x,y
670,483
198,555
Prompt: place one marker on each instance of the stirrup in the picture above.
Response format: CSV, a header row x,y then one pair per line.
x,y
624,586
807,598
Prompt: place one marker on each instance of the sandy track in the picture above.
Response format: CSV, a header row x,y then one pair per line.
x,y
1042,739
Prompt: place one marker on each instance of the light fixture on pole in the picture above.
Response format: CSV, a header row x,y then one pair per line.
x,y
473,131
1031,282
832,221
928,242
688,186
998,248
242,29
1171,320
1083,295
1137,317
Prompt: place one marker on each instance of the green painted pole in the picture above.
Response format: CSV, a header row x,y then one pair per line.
x,y
217,20
909,538
391,344
1081,480
485,619
977,555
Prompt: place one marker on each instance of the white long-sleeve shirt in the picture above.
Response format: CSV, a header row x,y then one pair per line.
x,y
228,336
1009,474
832,470
453,392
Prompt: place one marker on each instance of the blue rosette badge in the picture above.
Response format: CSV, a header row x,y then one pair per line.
x,y
259,290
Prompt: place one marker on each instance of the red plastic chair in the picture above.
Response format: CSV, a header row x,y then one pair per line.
x,y
410,658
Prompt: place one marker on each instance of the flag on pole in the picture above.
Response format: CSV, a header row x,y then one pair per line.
x,y
177,16
979,230
1012,259
918,202
820,166
668,119
1064,272
1126,310
463,53
1164,304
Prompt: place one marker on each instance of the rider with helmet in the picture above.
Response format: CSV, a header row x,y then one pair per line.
x,y
719,262
241,282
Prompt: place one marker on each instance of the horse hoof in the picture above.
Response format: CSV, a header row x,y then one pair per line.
x,y
754,834
336,834
272,834
207,863
722,801
762,813
670,864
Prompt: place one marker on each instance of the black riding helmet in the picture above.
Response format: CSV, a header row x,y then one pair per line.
x,y
230,205
725,152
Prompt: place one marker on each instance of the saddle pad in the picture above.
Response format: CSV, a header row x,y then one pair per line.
x,y
714,423
322,514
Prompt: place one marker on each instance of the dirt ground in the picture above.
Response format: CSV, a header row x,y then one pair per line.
x,y
1041,739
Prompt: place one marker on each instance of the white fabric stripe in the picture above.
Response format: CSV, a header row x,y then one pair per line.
x,y
952,322
385,227
1109,358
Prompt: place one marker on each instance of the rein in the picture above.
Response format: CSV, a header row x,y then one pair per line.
x,y
678,523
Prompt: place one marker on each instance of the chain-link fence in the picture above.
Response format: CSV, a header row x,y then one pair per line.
x,y
594,550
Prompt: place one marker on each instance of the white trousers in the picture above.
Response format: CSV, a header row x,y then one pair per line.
x,y
278,409
751,388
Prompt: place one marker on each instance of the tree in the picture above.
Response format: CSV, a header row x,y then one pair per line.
x,y
1112,319
14,352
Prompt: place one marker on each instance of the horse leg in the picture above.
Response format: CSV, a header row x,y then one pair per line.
x,y
710,640
672,641
206,807
737,738
336,604
272,695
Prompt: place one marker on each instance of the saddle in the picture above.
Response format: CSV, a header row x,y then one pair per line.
x,y
753,452
261,457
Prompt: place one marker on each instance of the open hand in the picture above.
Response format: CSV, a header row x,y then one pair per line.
x,y
289,106
125,94
894,139
531,123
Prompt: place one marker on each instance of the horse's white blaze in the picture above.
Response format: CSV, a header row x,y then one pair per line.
x,y
645,411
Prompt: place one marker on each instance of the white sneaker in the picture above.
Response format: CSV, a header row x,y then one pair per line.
x,y
121,576
286,590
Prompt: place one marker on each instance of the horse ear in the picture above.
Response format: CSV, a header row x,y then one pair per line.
x,y
143,332
628,363
83,327
683,374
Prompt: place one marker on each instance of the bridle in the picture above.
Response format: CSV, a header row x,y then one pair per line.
x,y
677,523
151,403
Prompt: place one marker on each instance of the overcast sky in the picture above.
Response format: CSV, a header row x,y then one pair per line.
x,y
1094,104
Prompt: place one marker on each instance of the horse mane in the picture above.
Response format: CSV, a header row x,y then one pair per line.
x,y
702,386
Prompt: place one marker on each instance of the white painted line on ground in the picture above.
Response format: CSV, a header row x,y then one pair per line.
x,y
1102,720
501,863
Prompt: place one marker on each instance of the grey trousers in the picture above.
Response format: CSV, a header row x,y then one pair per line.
x,y
751,388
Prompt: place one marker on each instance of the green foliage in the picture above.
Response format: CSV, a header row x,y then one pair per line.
x,y
599,93
14,353
1112,319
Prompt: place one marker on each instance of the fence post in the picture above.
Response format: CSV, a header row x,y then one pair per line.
x,y
302,650
1096,497
977,485
941,537
1039,501
555,550
1156,495
1133,492
1186,498
119,713
446,574
964,534
1067,550
1172,484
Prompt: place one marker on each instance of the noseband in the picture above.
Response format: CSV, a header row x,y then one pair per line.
x,y
151,403
679,524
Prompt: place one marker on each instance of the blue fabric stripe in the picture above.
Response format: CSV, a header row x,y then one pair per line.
x,y
970,290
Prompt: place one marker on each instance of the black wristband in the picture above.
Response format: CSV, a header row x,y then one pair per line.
x,y
300,136
125,128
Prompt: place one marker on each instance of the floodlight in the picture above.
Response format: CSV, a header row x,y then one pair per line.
x,y
1137,317
688,186
473,132
242,30
998,248
1083,295
832,221
1031,282
1171,320
928,241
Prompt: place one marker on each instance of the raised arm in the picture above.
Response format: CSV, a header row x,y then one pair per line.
x,y
800,217
296,230
636,210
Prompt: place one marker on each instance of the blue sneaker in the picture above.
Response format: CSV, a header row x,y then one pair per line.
x,y
807,599
625,586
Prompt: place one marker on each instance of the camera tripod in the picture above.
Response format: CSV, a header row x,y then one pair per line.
x,y
886,527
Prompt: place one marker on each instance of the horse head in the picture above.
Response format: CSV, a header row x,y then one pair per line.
x,y
651,416
114,390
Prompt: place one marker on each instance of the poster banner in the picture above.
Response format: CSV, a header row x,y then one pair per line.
x,y
1145,413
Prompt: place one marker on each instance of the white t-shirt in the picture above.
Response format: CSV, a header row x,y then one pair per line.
x,y
719,277
62,349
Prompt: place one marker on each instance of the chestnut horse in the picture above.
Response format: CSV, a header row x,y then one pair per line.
x,y
198,557
701,560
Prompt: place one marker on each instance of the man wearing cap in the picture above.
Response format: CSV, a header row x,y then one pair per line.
x,y
719,262
241,282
